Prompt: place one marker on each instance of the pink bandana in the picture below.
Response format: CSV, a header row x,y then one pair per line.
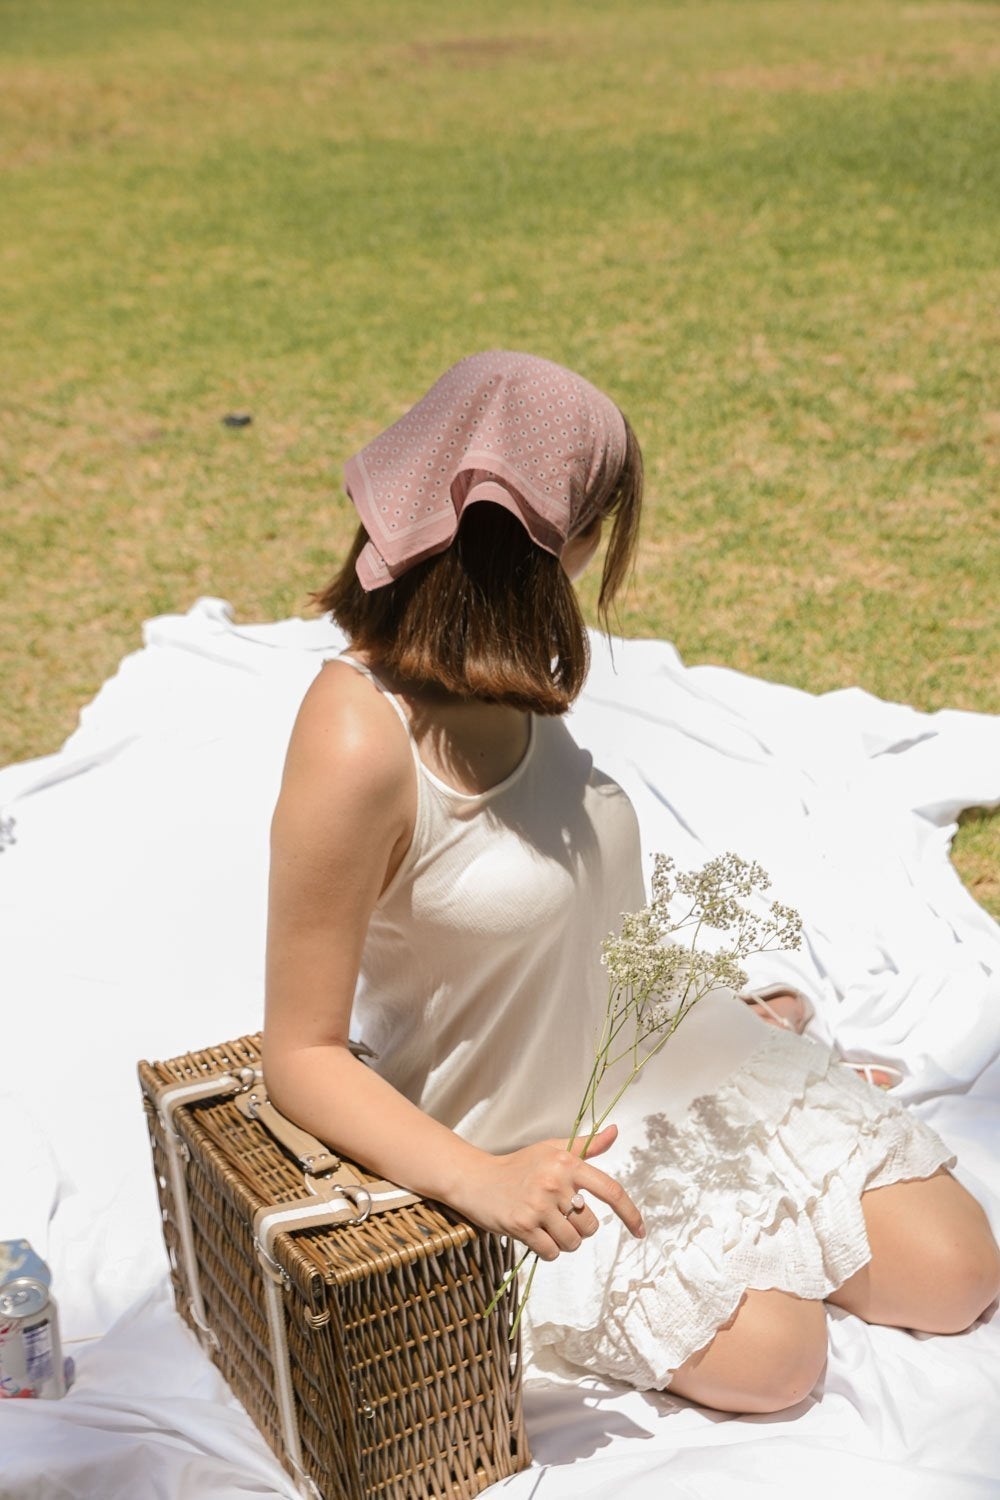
x,y
511,428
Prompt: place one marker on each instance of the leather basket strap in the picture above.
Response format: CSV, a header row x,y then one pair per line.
x,y
312,1156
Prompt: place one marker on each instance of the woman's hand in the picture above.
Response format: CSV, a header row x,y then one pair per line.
x,y
535,1194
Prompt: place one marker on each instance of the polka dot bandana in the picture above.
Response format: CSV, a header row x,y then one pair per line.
x,y
509,428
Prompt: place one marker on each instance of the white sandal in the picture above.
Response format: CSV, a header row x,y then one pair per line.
x,y
880,1075
767,992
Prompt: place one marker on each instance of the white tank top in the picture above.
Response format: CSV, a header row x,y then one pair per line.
x,y
481,984
482,990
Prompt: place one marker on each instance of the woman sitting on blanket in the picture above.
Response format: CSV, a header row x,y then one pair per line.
x,y
446,861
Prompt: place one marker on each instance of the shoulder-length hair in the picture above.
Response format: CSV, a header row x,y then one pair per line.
x,y
494,617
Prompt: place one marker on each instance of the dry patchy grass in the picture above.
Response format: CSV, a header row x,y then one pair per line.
x,y
770,229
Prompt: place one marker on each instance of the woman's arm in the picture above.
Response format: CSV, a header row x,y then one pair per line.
x,y
342,825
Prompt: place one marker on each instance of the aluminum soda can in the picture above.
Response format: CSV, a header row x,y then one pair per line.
x,y
31,1358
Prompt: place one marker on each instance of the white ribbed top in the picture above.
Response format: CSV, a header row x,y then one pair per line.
x,y
481,983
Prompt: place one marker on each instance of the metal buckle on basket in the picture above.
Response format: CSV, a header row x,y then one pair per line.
x,y
355,1192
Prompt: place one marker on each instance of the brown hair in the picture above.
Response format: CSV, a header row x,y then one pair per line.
x,y
493,617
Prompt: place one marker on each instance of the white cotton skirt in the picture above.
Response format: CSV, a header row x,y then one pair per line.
x,y
756,1185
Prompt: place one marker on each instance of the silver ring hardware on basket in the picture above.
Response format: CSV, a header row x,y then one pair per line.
x,y
355,1192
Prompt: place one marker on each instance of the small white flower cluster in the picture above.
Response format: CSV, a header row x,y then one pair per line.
x,y
654,980
658,971
717,893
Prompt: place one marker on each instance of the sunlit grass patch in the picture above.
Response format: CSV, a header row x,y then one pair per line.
x,y
770,229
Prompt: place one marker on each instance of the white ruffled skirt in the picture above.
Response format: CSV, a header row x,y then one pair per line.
x,y
756,1185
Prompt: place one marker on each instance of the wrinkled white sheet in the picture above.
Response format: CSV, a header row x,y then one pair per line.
x,y
131,925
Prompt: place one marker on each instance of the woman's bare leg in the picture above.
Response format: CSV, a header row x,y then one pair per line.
x,y
935,1265
766,1358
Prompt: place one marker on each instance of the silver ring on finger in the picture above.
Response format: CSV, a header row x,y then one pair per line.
x,y
576,1203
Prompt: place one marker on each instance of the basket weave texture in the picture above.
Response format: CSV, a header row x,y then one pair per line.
x,y
403,1389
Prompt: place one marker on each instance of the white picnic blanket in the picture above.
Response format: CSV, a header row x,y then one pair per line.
x,y
132,925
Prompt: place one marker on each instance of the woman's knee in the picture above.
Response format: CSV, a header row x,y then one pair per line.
x,y
935,1265
792,1358
965,1274
768,1358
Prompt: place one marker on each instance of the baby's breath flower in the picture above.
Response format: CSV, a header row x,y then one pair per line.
x,y
654,981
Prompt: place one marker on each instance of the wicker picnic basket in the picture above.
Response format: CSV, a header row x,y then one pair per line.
x,y
347,1315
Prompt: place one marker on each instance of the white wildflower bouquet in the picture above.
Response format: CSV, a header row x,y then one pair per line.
x,y
658,971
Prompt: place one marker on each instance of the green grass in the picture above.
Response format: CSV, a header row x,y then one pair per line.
x,y
768,228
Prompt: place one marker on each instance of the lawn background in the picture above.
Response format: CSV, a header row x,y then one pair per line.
x,y
769,229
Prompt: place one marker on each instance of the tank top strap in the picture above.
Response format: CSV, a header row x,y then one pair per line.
x,y
376,682
425,776
420,822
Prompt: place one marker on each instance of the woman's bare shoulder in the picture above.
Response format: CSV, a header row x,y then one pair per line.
x,y
348,736
344,818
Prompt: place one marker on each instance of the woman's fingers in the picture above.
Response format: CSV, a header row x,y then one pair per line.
x,y
536,1194
600,1185
569,1230
559,1228
602,1140
570,1225
557,1240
